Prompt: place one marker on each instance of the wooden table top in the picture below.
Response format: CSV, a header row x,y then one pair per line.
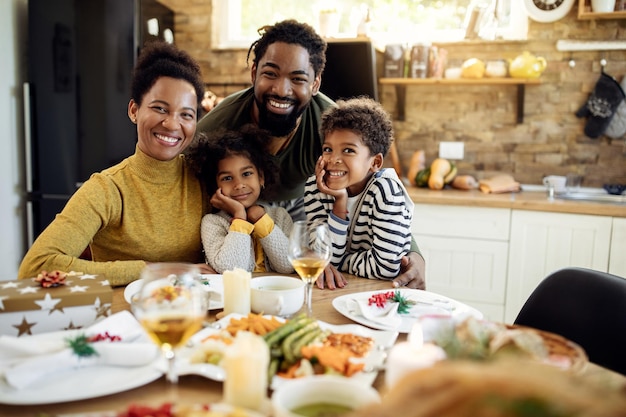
x,y
195,389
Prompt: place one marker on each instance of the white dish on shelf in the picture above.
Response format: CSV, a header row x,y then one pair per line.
x,y
374,360
213,284
427,303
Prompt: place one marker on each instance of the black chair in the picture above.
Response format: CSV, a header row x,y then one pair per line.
x,y
585,306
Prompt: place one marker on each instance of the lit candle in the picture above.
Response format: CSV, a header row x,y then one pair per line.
x,y
237,291
246,362
414,354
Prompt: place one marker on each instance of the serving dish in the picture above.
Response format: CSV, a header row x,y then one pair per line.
x,y
213,284
373,361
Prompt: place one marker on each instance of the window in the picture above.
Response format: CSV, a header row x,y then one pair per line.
x,y
390,21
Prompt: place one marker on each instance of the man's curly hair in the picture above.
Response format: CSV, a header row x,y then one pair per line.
x,y
292,32
161,59
205,153
363,116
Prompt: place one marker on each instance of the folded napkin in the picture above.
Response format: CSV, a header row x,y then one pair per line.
x,y
388,315
499,184
27,359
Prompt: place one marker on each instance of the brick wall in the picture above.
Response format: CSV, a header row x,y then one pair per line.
x,y
549,141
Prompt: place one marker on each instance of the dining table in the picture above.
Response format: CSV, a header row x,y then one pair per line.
x,y
194,389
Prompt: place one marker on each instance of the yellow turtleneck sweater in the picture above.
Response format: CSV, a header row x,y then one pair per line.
x,y
140,210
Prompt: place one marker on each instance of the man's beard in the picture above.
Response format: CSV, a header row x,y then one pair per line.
x,y
278,125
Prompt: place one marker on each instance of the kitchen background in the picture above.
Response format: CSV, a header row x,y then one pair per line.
x,y
550,140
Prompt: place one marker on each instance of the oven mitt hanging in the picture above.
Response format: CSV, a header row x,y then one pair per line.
x,y
617,127
601,105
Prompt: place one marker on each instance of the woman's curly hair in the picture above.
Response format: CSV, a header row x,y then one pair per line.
x,y
161,59
292,32
250,142
363,116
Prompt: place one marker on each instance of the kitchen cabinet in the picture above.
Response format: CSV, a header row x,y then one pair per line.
x,y
585,13
543,242
402,83
617,257
466,249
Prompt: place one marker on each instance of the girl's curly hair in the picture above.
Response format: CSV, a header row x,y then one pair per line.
x,y
249,141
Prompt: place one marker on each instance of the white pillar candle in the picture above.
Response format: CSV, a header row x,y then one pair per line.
x,y
406,357
246,362
237,291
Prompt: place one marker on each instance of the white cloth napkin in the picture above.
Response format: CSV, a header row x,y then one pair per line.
x,y
27,359
387,315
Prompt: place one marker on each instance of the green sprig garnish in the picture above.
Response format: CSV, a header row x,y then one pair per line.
x,y
81,345
404,304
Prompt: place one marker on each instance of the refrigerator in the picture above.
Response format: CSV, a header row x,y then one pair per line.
x,y
80,59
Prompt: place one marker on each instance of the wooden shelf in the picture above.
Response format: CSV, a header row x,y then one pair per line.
x,y
402,83
585,13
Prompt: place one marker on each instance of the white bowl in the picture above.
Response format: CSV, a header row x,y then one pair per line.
x,y
322,389
276,295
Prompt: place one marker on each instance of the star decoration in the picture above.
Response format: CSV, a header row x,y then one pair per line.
x,y
72,326
48,303
88,276
79,288
102,310
105,283
10,284
24,327
2,298
28,290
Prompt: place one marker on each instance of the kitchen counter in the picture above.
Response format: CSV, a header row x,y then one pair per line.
x,y
524,200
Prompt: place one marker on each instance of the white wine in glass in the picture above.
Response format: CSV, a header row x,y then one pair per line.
x,y
310,248
171,306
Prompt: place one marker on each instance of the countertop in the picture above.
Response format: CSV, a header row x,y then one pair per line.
x,y
536,200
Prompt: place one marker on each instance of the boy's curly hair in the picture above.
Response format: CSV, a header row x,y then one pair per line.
x,y
249,141
363,116
161,59
293,32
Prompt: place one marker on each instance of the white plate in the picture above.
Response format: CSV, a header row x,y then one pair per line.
x,y
383,340
427,303
213,283
80,384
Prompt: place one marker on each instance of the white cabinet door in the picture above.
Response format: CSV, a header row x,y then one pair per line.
x,y
544,242
469,270
466,251
617,257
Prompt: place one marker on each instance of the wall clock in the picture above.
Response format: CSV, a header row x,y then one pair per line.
x,y
548,10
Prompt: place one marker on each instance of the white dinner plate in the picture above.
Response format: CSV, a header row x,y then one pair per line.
x,y
427,303
213,283
374,360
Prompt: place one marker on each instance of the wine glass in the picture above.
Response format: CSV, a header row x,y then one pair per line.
x,y
171,306
309,252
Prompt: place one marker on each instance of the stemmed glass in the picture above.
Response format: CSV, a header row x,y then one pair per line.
x,y
309,252
171,306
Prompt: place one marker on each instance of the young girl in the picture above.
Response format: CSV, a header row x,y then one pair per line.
x,y
241,233
367,207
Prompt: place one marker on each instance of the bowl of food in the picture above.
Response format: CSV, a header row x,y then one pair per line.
x,y
277,295
322,395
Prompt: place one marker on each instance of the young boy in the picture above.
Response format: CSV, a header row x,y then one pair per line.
x,y
366,206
